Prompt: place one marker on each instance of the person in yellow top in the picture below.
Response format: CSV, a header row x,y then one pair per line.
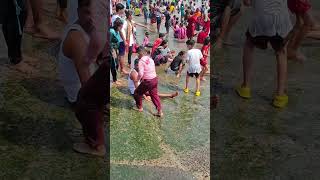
x,y
172,8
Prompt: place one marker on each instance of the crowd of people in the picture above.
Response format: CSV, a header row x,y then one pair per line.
x,y
85,55
180,23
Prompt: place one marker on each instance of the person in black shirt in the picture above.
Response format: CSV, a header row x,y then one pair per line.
x,y
167,19
178,63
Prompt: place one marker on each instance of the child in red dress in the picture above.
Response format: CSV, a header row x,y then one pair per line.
x,y
204,61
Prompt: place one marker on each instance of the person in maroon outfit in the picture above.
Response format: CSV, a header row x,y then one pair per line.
x,y
92,100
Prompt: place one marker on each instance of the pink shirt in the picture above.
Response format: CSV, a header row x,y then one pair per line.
x,y
147,69
145,41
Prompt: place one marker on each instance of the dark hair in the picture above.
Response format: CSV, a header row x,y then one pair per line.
x,y
190,42
181,53
206,41
117,23
136,61
119,7
84,3
128,13
161,35
140,49
164,42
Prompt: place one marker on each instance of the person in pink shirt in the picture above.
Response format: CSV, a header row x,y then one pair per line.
x,y
146,41
149,82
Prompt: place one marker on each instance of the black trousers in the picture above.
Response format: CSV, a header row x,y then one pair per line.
x,y
113,67
12,26
130,54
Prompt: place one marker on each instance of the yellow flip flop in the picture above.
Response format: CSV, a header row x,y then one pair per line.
x,y
280,101
243,92
186,90
197,93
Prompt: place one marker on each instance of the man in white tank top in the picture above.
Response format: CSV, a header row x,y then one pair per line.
x,y
74,70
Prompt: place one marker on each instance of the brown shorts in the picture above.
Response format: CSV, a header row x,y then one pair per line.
x,y
277,42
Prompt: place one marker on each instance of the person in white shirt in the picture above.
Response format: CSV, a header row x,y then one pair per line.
x,y
194,67
120,9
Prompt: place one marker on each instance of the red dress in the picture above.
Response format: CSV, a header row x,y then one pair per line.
x,y
191,26
299,6
156,44
204,50
207,26
201,37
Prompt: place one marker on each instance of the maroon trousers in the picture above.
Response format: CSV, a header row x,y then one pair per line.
x,y
150,86
92,99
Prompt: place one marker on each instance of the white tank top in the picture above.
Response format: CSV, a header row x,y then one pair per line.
x,y
131,83
67,71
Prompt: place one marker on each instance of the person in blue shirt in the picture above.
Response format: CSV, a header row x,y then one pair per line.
x,y
115,42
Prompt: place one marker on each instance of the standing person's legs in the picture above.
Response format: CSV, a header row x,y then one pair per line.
x,y
248,50
232,21
113,69
154,96
247,62
139,92
13,29
186,90
92,99
129,56
224,26
122,50
40,28
198,85
62,10
303,25
281,98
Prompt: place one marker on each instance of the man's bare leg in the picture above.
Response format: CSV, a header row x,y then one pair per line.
x,y
224,25
168,95
302,27
233,20
40,28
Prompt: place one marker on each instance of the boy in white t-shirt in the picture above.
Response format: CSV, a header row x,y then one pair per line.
x,y
194,67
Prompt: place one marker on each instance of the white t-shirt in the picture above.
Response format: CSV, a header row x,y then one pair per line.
x,y
125,29
193,60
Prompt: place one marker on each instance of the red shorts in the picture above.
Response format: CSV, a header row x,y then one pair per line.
x,y
299,6
203,61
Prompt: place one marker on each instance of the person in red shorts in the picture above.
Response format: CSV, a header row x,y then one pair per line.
x,y
304,24
204,61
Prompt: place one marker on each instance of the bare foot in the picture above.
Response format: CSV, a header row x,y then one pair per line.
x,y
202,79
159,114
148,98
117,83
138,109
86,149
298,57
24,68
175,94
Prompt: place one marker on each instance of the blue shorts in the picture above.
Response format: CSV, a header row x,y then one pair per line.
x,y
122,49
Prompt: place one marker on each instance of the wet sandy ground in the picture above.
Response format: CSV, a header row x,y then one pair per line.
x,y
253,140
175,147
